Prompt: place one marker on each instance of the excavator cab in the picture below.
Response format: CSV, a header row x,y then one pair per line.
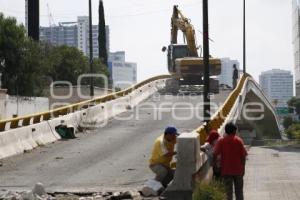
x,y
176,51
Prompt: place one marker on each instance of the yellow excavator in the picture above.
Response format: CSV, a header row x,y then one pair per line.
x,y
184,63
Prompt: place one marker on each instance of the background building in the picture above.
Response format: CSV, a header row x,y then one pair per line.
x,y
83,36
118,56
278,85
123,74
63,34
225,77
296,43
75,34
83,33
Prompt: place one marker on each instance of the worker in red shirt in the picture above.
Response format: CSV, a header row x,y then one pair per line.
x,y
233,157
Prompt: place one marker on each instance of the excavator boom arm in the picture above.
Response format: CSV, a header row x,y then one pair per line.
x,y
180,22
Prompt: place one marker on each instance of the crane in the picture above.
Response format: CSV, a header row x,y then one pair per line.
x,y
50,17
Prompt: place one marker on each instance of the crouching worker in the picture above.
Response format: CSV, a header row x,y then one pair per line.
x,y
162,154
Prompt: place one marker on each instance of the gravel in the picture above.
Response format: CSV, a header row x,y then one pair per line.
x,y
39,193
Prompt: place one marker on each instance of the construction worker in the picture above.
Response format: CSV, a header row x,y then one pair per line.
x,y
208,148
233,158
235,76
162,154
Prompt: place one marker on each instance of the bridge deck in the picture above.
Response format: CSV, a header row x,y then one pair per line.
x,y
273,173
110,157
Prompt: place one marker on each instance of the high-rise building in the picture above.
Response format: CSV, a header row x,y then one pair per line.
x,y
118,56
225,77
63,34
83,33
278,85
296,43
83,36
75,34
123,74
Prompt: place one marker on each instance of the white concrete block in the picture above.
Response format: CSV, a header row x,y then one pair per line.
x,y
15,141
189,161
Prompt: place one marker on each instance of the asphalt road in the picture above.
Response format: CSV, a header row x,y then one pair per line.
x,y
112,157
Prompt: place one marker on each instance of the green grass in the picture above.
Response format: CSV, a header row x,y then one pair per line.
x,y
211,191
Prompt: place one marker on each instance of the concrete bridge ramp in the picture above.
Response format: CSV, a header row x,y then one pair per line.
x,y
116,155
254,114
249,108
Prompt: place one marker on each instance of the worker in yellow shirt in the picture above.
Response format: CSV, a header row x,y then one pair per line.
x,y
162,154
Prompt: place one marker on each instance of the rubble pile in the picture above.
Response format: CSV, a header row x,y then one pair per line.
x,y
39,193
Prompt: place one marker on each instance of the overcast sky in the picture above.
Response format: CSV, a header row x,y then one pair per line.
x,y
142,27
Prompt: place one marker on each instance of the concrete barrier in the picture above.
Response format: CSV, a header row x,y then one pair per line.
x,y
42,133
19,139
98,115
16,141
191,164
71,120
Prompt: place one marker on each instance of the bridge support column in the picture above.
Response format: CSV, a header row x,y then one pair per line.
x,y
259,116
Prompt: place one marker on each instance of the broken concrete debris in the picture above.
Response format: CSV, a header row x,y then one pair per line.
x,y
39,193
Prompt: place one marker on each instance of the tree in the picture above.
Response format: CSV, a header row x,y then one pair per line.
x,y
28,67
66,64
293,132
31,82
295,102
100,68
102,35
20,60
12,38
287,121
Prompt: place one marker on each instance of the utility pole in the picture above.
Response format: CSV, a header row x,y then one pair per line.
x,y
33,17
91,49
244,38
206,108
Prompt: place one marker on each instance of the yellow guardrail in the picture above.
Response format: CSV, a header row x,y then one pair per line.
x,y
219,117
43,116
